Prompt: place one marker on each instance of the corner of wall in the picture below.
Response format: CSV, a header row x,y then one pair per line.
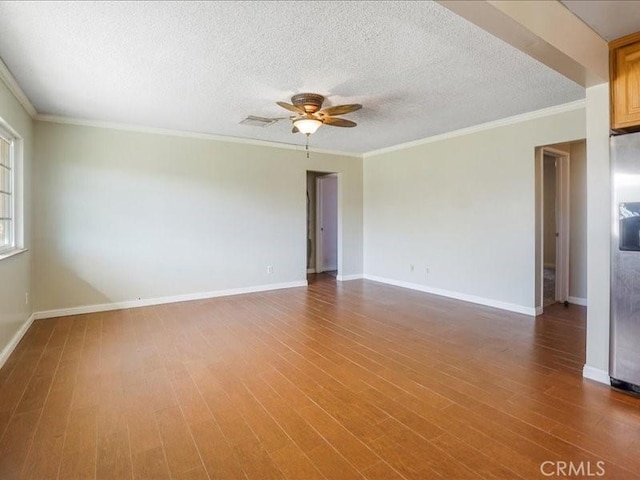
x,y
598,226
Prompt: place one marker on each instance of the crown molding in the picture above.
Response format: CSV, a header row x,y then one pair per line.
x,y
502,122
182,133
12,85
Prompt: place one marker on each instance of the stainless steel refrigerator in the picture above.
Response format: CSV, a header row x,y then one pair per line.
x,y
624,365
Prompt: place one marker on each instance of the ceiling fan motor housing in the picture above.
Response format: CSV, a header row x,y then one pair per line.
x,y
310,102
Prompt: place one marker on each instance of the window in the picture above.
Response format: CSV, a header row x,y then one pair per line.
x,y
7,192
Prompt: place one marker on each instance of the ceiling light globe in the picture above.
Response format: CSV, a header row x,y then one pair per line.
x,y
307,125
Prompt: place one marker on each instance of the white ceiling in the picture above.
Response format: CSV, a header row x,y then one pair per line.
x,y
418,69
611,19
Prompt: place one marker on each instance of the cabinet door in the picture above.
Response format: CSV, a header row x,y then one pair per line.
x,y
625,96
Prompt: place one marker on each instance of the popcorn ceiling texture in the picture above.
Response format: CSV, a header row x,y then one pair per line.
x,y
418,69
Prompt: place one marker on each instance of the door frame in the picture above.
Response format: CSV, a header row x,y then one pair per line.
x,y
319,263
563,225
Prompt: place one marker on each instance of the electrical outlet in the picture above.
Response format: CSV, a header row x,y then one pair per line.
x,y
26,298
269,269
412,267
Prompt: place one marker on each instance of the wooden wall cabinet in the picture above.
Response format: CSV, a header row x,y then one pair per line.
x,y
624,68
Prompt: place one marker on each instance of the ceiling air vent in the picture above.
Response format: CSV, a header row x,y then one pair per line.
x,y
258,121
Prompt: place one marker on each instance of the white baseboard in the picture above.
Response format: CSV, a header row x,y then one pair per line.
x,y
346,278
531,311
63,312
596,374
578,301
15,340
311,270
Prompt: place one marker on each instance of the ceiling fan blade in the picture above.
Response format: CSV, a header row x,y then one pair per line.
x,y
341,109
338,122
295,130
290,107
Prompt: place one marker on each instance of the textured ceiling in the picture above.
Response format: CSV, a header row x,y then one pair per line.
x,y
418,69
611,19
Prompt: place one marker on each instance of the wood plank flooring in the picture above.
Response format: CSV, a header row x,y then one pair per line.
x,y
338,381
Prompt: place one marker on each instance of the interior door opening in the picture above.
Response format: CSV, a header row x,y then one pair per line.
x,y
550,230
322,223
560,219
553,236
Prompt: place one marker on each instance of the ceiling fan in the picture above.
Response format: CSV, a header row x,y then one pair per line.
x,y
309,116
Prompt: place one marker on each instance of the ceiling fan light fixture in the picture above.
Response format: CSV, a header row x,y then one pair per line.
x,y
307,125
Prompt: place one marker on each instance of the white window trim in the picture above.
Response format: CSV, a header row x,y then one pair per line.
x,y
17,191
13,252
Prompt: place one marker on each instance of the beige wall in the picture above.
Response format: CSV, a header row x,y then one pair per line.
x,y
578,220
464,208
15,272
124,215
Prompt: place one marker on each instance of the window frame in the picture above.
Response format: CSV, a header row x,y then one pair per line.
x,y
16,234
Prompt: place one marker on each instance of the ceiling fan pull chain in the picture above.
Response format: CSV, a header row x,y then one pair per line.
x,y
307,147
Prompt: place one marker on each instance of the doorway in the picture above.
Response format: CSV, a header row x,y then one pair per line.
x,y
553,227
327,224
550,229
322,223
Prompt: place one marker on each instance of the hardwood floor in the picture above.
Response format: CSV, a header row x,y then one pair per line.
x,y
338,381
